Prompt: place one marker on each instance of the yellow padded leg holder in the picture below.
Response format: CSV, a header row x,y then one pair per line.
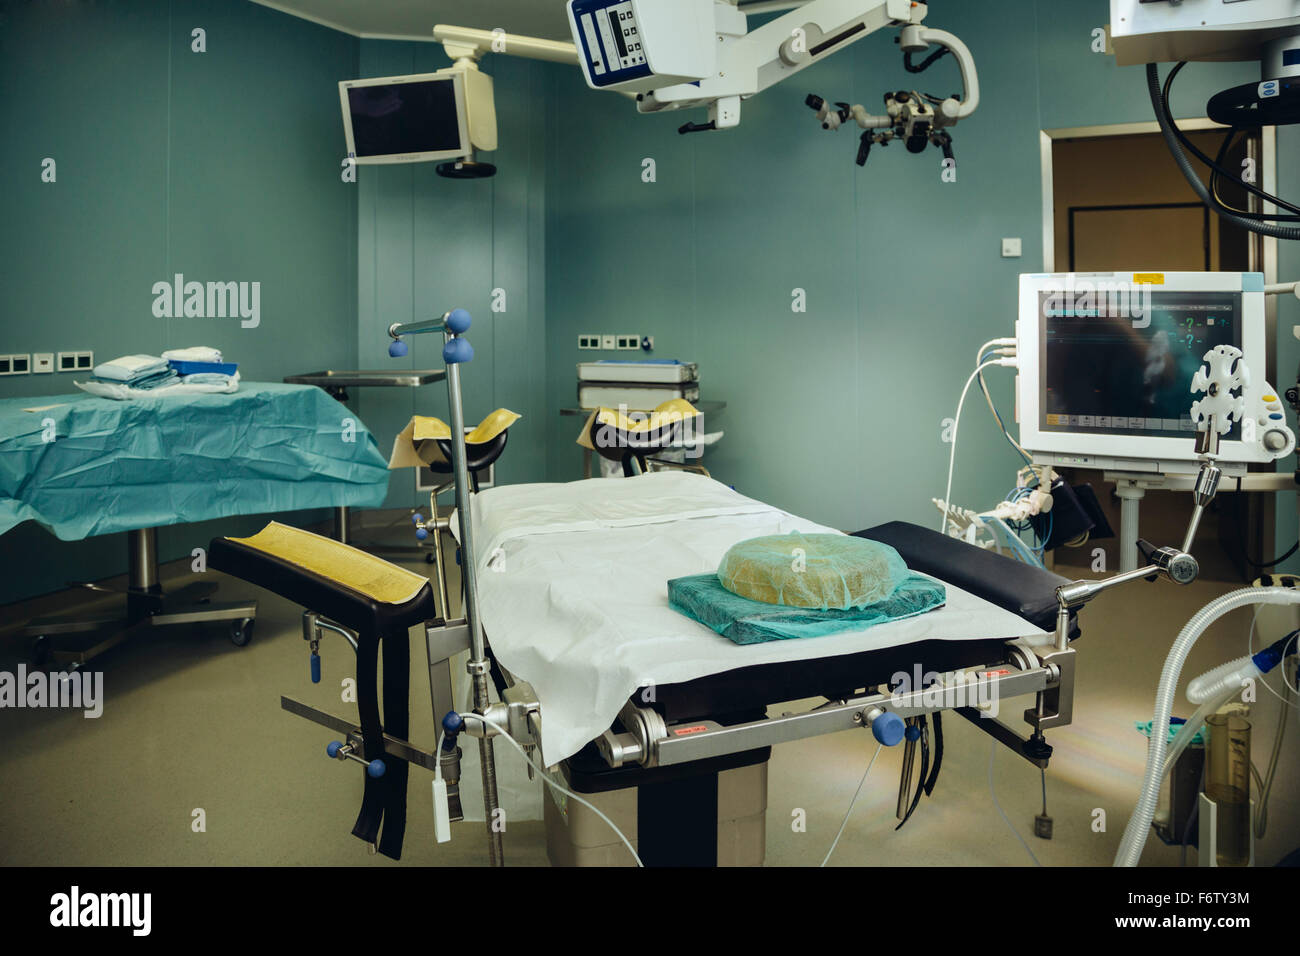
x,y
356,570
666,413
485,431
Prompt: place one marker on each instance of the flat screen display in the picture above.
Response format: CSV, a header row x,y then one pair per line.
x,y
1106,372
404,118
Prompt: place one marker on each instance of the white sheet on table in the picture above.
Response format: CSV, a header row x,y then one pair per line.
x,y
573,593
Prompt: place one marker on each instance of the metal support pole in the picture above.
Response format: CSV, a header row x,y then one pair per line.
x,y
1130,497
478,663
142,549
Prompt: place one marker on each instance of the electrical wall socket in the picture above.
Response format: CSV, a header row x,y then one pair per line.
x,y
76,361
628,342
42,363
15,364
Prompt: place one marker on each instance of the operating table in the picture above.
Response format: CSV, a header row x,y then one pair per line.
x,y
703,711
672,740
610,688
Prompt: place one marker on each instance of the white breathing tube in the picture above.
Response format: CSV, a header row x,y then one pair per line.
x,y
1225,677
1211,691
1219,683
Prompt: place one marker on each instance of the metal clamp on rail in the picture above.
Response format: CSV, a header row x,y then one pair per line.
x,y
885,726
312,625
352,750
453,324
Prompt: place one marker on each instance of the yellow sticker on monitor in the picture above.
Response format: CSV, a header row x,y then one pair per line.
x,y
1148,278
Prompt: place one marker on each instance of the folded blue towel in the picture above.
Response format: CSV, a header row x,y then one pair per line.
x,y
703,598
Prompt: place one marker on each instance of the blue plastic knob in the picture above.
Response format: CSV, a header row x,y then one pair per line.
x,y
453,723
458,320
333,748
421,534
888,729
376,768
457,352
417,518
912,732
397,349
315,668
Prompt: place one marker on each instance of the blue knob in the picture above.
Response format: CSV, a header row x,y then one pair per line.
x,y
417,518
315,669
457,352
421,534
453,723
397,349
376,768
912,732
458,320
888,729
333,748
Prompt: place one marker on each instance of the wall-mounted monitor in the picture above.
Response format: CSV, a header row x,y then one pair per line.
x,y
405,119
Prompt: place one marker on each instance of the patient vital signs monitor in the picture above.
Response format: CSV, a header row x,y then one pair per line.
x,y
1107,362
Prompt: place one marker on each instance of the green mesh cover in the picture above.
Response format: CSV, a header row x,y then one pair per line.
x,y
822,571
703,598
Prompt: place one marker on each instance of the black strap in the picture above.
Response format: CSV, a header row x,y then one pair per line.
x,y
397,721
372,731
384,798
938,754
925,766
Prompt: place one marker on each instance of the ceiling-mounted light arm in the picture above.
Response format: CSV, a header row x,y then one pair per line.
x,y
769,6
470,44
466,46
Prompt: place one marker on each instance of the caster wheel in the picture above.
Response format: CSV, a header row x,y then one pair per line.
x,y
40,652
241,632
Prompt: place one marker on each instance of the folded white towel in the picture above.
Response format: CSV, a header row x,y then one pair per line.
x,y
197,353
129,367
124,392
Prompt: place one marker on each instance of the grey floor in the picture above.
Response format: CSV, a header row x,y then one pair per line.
x,y
193,723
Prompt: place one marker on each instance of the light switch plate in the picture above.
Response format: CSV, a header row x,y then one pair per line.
x,y
1011,249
